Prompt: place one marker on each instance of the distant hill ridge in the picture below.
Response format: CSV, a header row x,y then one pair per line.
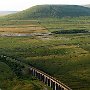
x,y
51,11
88,5
3,13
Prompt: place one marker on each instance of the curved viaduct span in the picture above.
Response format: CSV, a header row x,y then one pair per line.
x,y
47,79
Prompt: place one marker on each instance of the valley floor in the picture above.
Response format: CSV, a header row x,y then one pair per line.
x,y
63,56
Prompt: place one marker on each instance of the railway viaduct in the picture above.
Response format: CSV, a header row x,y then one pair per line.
x,y
48,80
45,78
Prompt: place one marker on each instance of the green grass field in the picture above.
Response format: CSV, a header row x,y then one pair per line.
x,y
64,56
10,81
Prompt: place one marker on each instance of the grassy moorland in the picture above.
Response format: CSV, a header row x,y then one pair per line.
x,y
10,78
14,75
65,56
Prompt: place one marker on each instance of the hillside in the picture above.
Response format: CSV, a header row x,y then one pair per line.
x,y
50,11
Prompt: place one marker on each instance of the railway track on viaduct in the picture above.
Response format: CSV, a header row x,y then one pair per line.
x,y
48,80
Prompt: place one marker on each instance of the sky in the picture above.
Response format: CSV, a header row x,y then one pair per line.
x,y
19,5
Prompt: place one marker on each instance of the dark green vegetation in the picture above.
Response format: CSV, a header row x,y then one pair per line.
x,y
51,11
9,81
70,31
64,56
14,75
